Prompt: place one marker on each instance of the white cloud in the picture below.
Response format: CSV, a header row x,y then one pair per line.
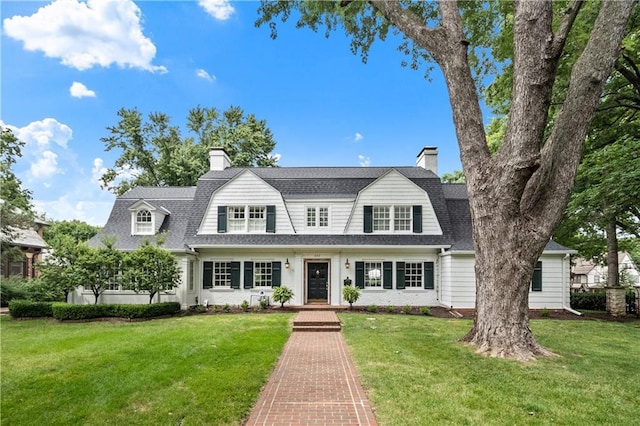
x,y
43,133
71,206
358,137
79,90
99,170
46,166
203,74
364,161
84,35
219,9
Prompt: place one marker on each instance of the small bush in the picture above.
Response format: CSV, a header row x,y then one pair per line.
x,y
226,308
66,311
282,295
592,301
424,310
407,309
544,313
372,308
264,303
391,309
29,309
351,294
244,306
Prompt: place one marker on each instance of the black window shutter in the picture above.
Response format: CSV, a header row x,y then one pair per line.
x,y
400,275
428,276
387,275
536,283
417,219
207,275
235,274
222,219
276,274
368,219
271,218
248,274
360,274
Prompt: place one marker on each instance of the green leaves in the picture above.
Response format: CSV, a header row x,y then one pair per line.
x,y
154,153
151,269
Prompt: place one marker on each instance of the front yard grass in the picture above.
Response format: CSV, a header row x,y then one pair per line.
x,y
178,371
416,372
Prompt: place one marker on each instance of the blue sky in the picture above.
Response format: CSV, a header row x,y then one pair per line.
x,y
68,67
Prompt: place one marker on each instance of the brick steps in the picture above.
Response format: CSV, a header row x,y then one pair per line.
x,y
322,321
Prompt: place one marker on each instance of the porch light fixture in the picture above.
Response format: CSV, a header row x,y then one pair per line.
x,y
347,264
287,264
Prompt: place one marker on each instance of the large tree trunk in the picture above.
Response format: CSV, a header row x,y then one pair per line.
x,y
517,196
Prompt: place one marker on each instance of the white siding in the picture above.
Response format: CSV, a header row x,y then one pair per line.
x,y
246,189
339,212
445,280
394,189
463,281
552,284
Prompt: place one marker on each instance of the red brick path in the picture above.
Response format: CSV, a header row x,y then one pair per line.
x,y
314,383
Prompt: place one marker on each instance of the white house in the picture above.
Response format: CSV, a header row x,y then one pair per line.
x,y
588,276
398,233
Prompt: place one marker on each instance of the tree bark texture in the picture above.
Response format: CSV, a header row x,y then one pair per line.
x,y
613,277
517,197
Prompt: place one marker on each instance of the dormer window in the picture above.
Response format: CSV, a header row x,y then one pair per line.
x,y
144,222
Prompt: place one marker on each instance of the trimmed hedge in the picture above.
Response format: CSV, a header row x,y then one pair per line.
x,y
66,311
29,309
592,301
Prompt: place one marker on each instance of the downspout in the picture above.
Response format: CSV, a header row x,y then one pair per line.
x,y
564,285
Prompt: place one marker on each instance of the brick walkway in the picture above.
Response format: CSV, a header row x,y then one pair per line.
x,y
314,383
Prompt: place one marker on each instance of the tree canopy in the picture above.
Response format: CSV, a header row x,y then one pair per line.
x,y
153,152
517,196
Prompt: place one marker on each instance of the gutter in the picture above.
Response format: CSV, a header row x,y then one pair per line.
x,y
564,285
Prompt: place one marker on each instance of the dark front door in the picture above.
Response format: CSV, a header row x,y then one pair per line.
x,y
317,281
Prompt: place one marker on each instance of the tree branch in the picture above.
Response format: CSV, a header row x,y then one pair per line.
x,y
560,36
631,77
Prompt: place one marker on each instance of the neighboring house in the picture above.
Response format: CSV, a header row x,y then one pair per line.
x,y
396,232
588,276
33,247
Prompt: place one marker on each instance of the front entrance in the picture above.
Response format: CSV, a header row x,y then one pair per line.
x,y
317,282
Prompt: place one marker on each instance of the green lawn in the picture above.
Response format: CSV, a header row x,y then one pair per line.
x,y
416,372
179,371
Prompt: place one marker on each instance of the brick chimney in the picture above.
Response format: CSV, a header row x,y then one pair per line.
x,y
428,159
218,159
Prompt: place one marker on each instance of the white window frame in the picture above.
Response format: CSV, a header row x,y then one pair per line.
x,y
262,274
137,222
236,224
221,274
406,221
257,218
319,216
372,274
381,218
413,275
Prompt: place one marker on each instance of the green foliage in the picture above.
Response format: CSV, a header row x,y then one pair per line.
x,y
97,269
282,295
244,306
424,310
544,313
456,177
407,309
591,301
391,309
30,309
12,289
372,309
164,158
351,294
77,230
65,311
151,269
58,272
226,308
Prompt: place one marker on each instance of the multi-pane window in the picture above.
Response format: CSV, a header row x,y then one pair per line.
x,y
317,217
413,274
262,274
222,274
381,218
143,222
373,274
402,218
257,219
236,221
